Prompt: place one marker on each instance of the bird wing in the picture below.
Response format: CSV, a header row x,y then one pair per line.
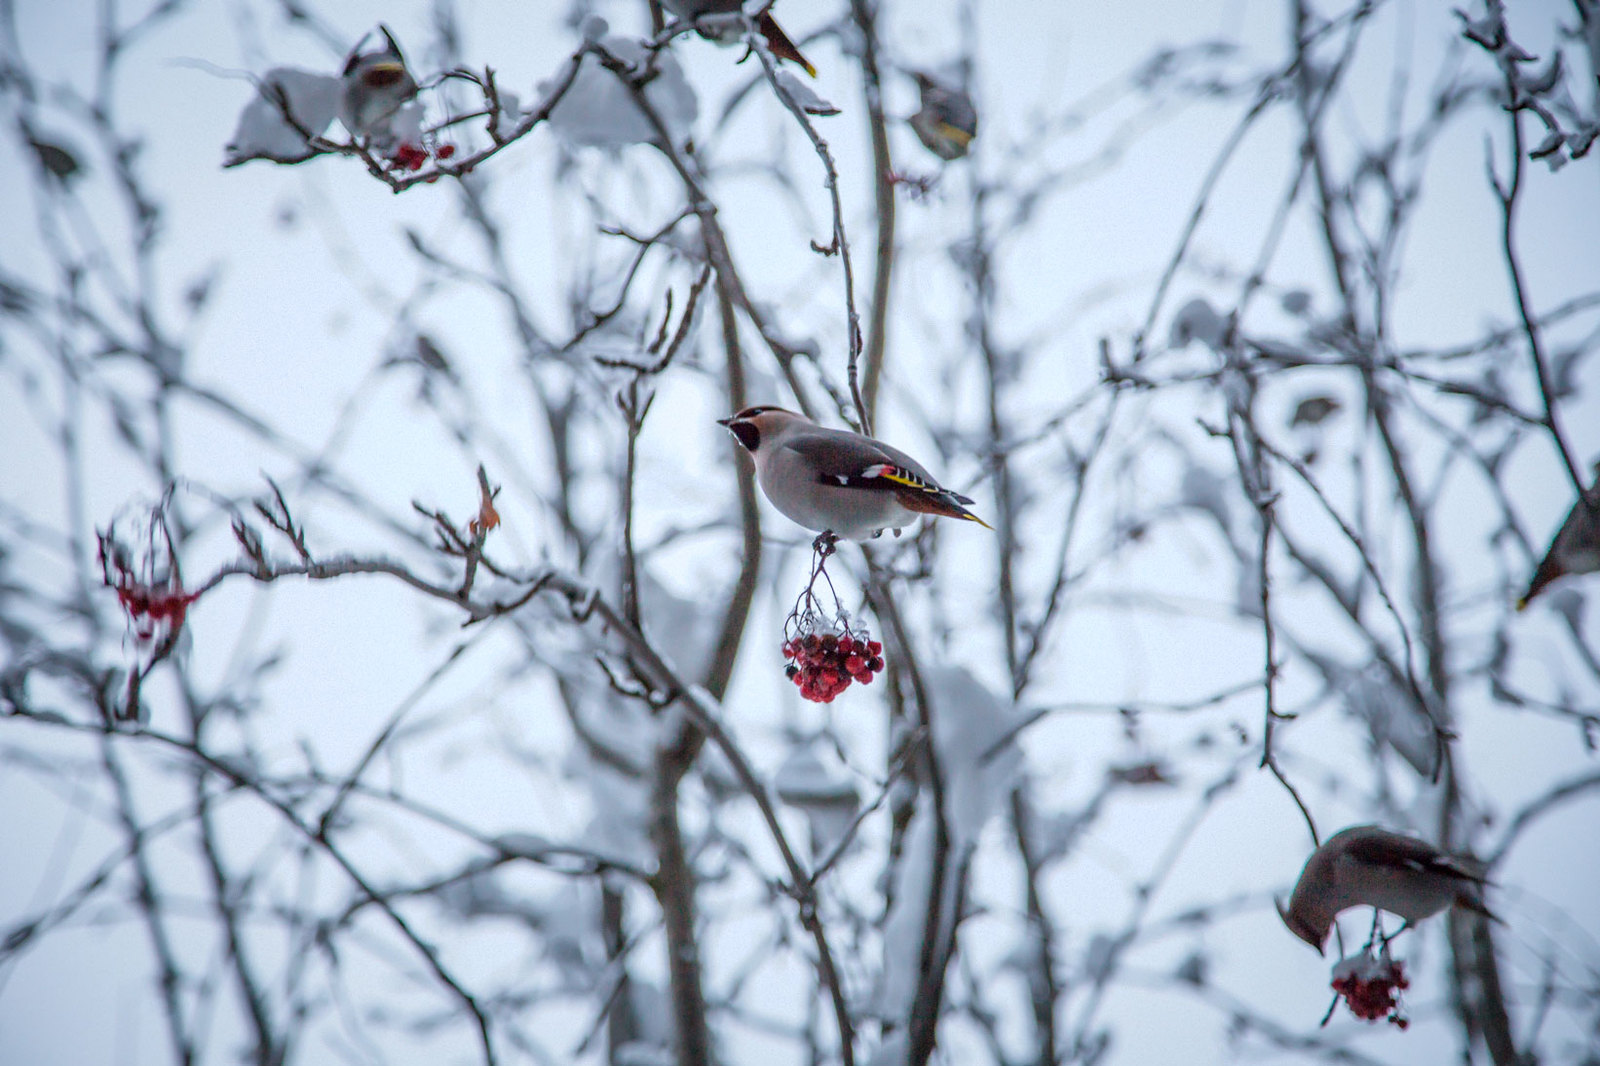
x,y
860,463
854,462
1405,853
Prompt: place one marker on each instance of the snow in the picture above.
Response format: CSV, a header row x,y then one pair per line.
x,y
827,796
263,133
1393,718
599,111
510,112
980,766
804,97
1197,320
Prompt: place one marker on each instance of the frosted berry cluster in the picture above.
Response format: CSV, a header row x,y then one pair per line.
x,y
153,614
824,664
415,156
1371,987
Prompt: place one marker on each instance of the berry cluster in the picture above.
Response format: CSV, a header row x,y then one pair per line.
x,y
824,664
413,156
1371,987
154,613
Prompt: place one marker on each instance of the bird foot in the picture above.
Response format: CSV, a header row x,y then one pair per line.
x,y
1384,938
826,543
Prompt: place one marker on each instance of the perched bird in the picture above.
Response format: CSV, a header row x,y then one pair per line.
x,y
1365,865
948,119
1576,549
376,84
722,21
836,481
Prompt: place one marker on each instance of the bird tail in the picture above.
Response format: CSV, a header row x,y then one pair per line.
x,y
945,504
780,44
1473,901
1549,569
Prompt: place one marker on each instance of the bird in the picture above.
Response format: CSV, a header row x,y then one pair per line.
x,y
947,120
1576,547
722,21
1367,865
376,84
838,482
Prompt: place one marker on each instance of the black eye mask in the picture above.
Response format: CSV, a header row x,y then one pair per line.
x,y
746,433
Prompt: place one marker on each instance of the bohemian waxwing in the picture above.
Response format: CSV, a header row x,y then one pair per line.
x,y
1369,866
721,21
1576,548
376,84
836,481
948,119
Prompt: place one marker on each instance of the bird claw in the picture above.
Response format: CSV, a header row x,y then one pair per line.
x,y
826,543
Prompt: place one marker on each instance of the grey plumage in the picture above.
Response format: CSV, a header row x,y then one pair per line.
x,y
947,121
376,84
837,481
1367,865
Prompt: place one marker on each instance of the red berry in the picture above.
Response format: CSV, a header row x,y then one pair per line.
x,y
876,664
854,665
874,648
410,157
846,644
445,151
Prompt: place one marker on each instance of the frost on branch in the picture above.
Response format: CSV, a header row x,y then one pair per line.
x,y
290,105
804,96
599,110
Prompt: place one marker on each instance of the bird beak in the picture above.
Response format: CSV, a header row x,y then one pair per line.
x,y
725,422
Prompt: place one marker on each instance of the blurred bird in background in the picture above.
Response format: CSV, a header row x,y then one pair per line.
x,y
947,120
1576,547
376,84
